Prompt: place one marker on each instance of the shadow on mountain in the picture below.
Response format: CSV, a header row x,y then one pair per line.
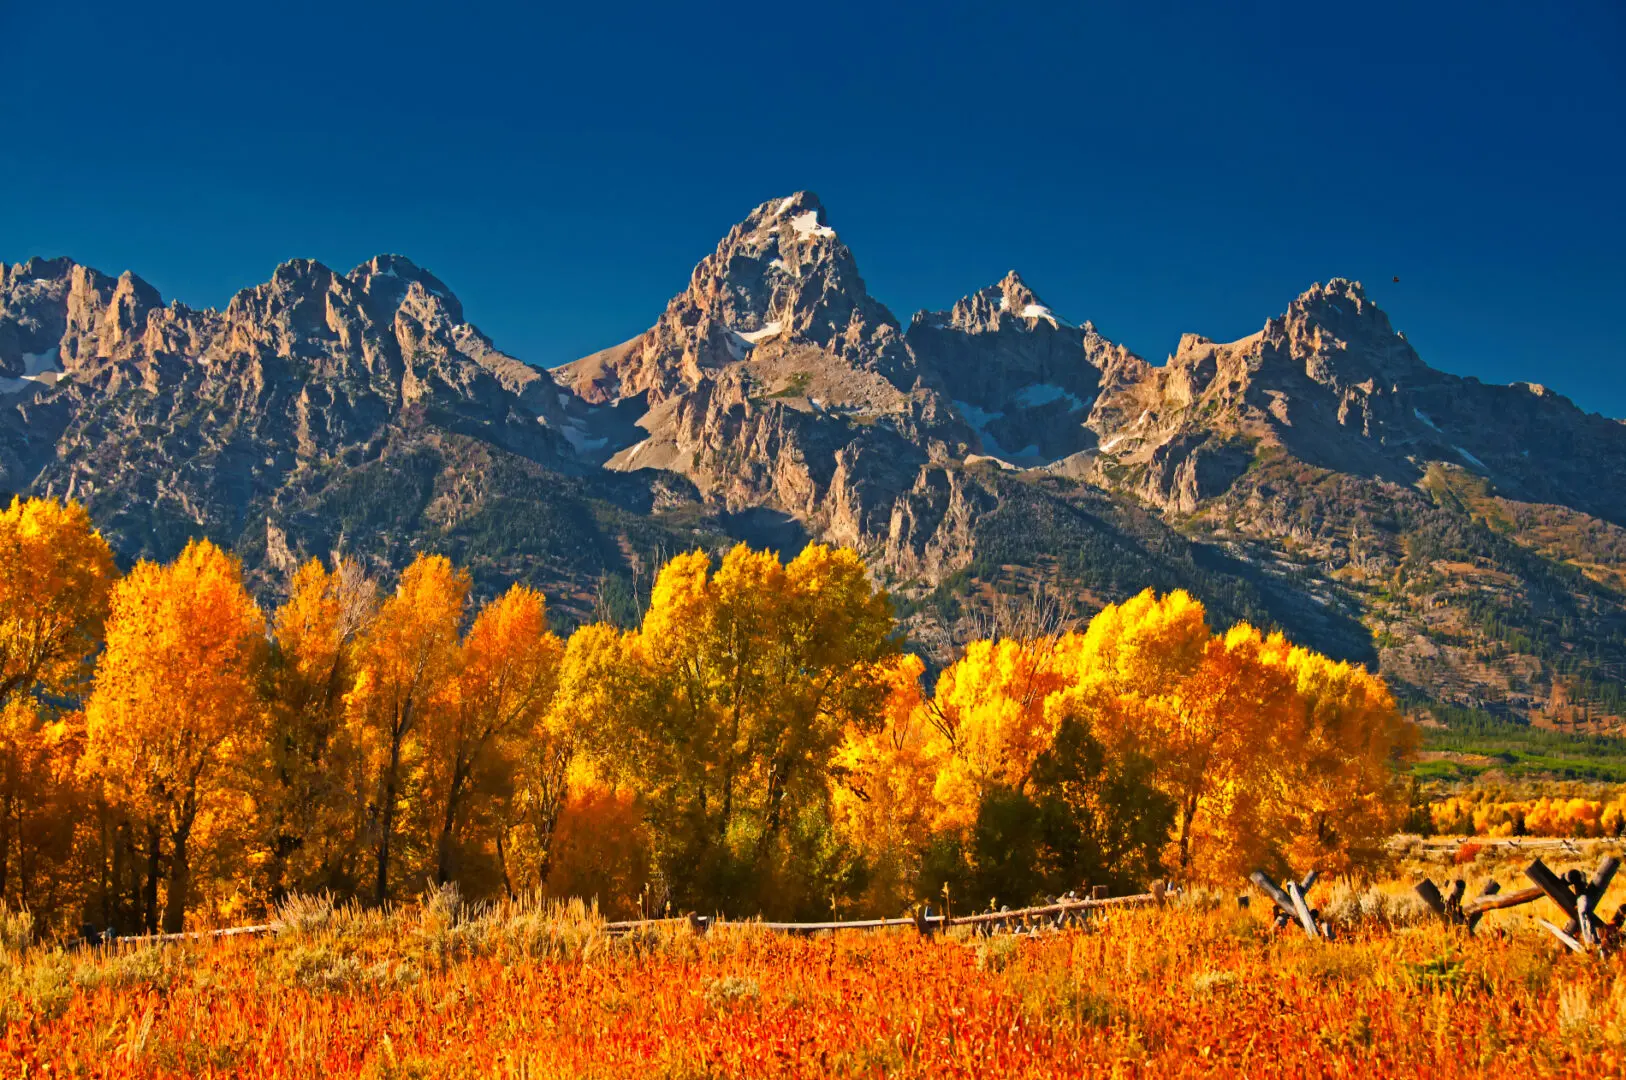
x,y
764,528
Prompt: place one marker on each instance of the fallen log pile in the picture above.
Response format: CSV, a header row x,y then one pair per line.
x,y
1575,894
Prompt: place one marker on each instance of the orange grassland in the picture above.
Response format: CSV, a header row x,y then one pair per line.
x,y
1196,988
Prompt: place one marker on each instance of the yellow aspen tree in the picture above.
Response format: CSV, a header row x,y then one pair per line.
x,y
56,572
405,664
506,673
1213,712
883,787
824,667
574,742
175,705
309,799
989,713
1341,796
746,681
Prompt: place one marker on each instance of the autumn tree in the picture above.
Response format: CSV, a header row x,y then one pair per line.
x,y
1341,796
406,663
175,705
1261,744
883,781
500,693
308,795
55,575
559,757
1214,711
1017,792
740,686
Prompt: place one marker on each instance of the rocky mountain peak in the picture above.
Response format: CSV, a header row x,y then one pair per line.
x,y
1341,338
781,280
393,278
1006,304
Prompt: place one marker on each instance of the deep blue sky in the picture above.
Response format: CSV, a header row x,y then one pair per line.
x,y
1155,168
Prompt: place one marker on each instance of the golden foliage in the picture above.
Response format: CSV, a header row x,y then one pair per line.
x,y
1476,814
406,663
55,575
1271,753
175,708
759,743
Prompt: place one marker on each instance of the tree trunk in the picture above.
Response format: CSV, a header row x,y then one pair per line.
x,y
1185,832
103,865
149,893
180,874
5,844
23,878
502,862
443,853
386,826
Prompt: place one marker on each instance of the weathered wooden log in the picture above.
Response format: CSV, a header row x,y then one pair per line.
x,y
1601,879
1491,888
1569,943
1430,895
992,917
1454,901
1550,883
1309,880
198,935
1274,891
1306,920
1505,900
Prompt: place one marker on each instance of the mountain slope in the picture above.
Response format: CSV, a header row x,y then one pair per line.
x,y
317,412
1316,476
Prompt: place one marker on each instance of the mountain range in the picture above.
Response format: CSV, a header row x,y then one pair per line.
x,y
1317,476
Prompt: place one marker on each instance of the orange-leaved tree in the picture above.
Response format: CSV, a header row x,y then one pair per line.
x,y
175,707
506,672
309,796
741,684
405,665
55,575
884,787
561,754
1272,753
1341,796
1212,710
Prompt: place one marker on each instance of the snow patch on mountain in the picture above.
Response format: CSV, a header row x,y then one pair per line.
x,y
38,369
807,224
769,329
1038,394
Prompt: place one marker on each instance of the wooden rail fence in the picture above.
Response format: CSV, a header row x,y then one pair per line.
x,y
1058,913
1575,894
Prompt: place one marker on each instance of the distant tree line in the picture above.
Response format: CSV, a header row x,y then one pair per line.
x,y
759,742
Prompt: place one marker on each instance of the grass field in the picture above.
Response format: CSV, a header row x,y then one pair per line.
x,y
1466,753
1198,987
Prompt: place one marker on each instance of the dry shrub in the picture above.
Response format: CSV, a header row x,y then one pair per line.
x,y
16,928
1350,907
732,991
